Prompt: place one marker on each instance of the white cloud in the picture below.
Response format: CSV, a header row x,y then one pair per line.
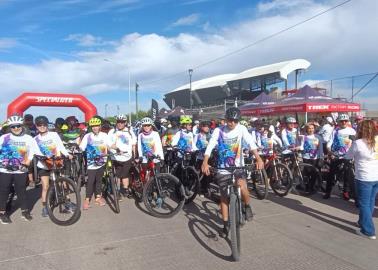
x,y
88,40
338,43
275,5
193,2
187,20
7,43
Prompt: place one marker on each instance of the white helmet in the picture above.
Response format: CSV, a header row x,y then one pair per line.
x,y
291,120
343,117
121,117
15,120
146,121
163,120
329,119
196,122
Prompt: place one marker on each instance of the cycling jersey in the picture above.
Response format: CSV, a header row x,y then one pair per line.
x,y
95,147
184,141
289,139
266,144
149,144
50,145
168,136
201,141
312,147
124,141
16,150
341,141
229,143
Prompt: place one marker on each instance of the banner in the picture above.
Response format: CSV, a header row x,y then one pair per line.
x,y
154,109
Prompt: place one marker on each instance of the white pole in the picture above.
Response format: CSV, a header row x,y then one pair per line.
x,y
129,97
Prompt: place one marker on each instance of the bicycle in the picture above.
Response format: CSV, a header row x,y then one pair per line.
x,y
236,215
187,174
163,193
75,169
63,200
257,178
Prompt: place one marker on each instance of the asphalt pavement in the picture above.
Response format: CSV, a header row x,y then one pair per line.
x,y
287,233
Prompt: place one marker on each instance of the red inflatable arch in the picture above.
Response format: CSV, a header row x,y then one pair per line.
x,y
26,100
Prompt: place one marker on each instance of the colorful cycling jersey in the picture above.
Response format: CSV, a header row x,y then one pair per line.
x,y
184,141
312,147
168,136
229,143
289,137
201,141
16,150
124,141
341,141
149,145
95,147
50,145
266,145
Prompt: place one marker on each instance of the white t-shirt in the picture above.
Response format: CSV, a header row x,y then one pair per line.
x,y
96,147
365,160
229,143
150,144
16,150
124,141
50,145
326,132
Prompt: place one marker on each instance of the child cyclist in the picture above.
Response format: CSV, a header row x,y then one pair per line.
x,y
149,143
228,139
184,138
95,144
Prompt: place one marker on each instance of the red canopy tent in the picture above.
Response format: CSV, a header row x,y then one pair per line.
x,y
306,100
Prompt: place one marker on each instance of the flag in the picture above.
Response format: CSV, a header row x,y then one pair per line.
x,y
154,109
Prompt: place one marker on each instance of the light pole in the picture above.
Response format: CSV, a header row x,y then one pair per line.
x,y
190,71
128,71
117,109
136,100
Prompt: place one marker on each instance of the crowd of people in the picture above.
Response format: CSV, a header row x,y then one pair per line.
x,y
342,141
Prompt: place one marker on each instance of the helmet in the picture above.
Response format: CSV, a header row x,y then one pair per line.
x,y
163,120
290,120
243,123
343,117
205,123
15,120
185,119
146,121
59,122
121,117
28,117
41,120
64,127
233,113
94,121
196,122
71,121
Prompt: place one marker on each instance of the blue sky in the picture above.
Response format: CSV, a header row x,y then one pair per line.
x,y
61,45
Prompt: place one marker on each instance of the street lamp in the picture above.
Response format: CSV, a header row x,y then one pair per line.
x,y
190,71
136,100
128,71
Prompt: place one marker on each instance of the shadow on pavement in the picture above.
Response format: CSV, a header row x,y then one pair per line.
x,y
327,218
204,225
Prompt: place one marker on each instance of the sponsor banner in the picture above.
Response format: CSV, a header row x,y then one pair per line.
x,y
55,100
338,107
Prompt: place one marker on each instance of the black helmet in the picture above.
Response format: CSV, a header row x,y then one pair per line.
x,y
59,122
41,120
174,119
71,121
233,113
205,123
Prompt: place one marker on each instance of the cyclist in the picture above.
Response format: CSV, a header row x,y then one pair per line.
x,y
72,134
326,132
340,142
289,136
267,140
95,144
59,122
49,144
149,143
123,142
29,126
171,131
312,153
201,140
17,150
229,141
183,139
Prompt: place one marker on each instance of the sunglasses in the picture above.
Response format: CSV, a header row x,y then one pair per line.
x,y
16,126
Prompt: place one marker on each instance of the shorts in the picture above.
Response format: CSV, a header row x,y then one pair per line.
x,y
43,172
223,180
123,168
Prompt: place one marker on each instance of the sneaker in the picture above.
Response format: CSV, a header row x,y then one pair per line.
x,y
45,213
86,205
100,201
372,237
224,232
5,219
248,213
26,215
326,196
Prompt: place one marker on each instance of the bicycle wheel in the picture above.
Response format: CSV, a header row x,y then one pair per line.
x,y
63,202
281,179
114,192
192,184
260,183
136,185
163,195
234,218
301,177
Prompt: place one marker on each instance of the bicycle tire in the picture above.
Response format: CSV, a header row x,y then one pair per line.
x,y
51,198
280,185
234,226
261,185
115,192
136,190
191,186
301,186
151,195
